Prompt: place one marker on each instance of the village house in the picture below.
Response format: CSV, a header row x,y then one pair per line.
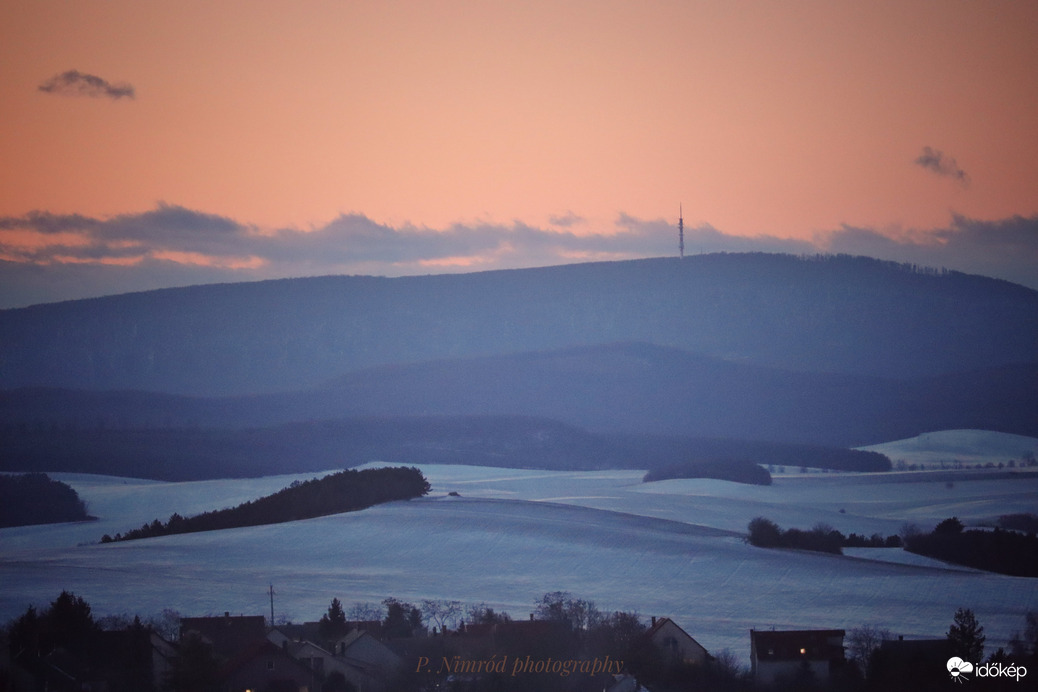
x,y
787,654
265,666
227,635
896,663
677,645
358,657
360,646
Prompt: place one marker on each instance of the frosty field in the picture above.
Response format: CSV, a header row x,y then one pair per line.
x,y
670,548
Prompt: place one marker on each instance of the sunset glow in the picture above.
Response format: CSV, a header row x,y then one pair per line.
x,y
766,121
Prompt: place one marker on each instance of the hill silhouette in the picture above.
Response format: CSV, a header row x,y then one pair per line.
x,y
839,315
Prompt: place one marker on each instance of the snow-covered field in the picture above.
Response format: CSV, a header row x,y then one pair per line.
x,y
963,446
670,548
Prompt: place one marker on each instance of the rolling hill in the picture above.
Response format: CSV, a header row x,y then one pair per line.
x,y
843,315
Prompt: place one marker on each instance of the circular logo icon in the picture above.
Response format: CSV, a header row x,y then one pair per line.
x,y
958,668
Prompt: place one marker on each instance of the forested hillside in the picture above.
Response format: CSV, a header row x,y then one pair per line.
x,y
35,498
833,314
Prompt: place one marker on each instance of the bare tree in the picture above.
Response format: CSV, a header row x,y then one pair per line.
x,y
727,665
1026,644
581,614
482,614
862,642
441,613
363,612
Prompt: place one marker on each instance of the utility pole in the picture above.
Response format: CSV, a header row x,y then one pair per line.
x,y
271,605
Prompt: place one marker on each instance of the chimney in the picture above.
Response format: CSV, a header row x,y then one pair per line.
x,y
653,621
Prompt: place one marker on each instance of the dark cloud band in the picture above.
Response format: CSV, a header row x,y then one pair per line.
x,y
207,247
76,83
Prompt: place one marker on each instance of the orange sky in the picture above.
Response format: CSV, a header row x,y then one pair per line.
x,y
786,119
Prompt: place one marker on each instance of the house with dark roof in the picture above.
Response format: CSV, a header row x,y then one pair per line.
x,y
363,648
677,645
266,666
911,664
787,654
359,658
227,635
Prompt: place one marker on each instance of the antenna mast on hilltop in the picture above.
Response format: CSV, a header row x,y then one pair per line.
x,y
681,234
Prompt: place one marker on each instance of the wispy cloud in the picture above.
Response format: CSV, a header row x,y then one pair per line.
x,y
48,257
565,220
76,83
934,160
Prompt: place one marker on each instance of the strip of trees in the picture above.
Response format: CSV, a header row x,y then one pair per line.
x,y
345,491
764,533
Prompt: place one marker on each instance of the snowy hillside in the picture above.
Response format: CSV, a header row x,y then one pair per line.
x,y
967,446
671,548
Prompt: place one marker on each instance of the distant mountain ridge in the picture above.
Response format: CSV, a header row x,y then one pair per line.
x,y
838,315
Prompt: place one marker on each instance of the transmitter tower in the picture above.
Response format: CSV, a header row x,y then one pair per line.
x,y
681,234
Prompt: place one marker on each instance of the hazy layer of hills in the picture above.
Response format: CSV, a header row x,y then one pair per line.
x,y
628,388
834,351
178,454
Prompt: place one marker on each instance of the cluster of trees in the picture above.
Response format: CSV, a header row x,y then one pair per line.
x,y
68,630
35,498
404,619
737,470
68,623
884,667
400,619
764,533
345,491
997,550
